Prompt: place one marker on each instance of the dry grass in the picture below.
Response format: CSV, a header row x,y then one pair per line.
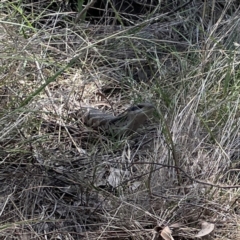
x,y
61,179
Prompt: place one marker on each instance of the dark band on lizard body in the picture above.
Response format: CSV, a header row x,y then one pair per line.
x,y
124,124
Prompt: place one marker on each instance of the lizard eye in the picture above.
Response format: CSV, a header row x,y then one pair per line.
x,y
134,108
137,107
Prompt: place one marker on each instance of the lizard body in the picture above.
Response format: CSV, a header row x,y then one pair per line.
x,y
125,123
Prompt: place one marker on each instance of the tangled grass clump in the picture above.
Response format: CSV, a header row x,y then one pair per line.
x,y
176,177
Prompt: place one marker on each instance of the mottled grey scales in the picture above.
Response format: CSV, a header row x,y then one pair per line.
x,y
125,123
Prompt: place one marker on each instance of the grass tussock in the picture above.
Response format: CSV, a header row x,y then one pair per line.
x,y
178,176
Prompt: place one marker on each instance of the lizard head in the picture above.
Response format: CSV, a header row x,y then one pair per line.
x,y
138,114
141,108
133,118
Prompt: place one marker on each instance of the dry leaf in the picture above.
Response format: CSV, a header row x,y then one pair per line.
x,y
176,225
206,229
135,185
166,234
117,176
